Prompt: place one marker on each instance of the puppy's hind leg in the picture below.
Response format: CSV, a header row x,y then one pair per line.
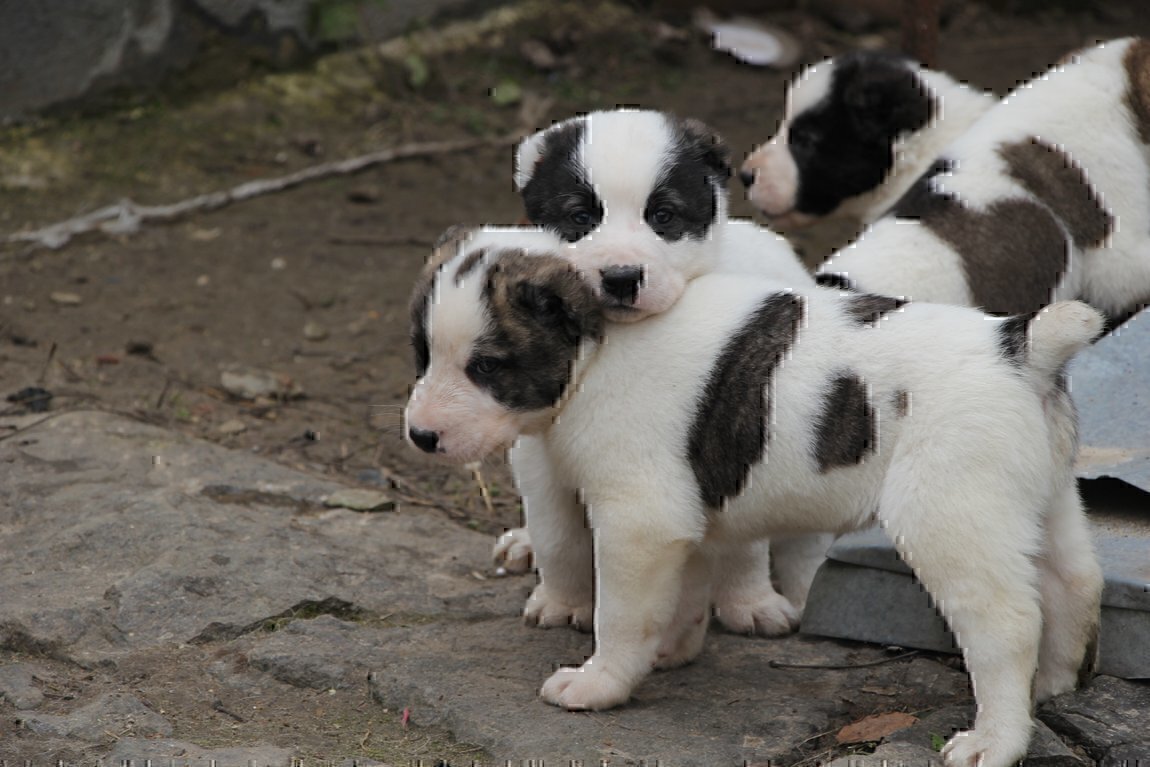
x,y
970,543
1071,586
795,559
683,640
745,599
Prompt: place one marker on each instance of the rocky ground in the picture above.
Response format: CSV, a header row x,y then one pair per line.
x,y
174,584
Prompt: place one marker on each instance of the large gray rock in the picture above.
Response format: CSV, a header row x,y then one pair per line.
x,y
18,686
132,536
53,52
141,750
110,713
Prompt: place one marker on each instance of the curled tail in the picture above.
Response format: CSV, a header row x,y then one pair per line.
x,y
1056,334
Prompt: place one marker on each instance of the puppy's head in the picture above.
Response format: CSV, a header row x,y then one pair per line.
x,y
837,138
638,192
498,320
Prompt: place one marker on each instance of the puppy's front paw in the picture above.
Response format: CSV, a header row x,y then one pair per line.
x,y
586,688
545,610
765,613
977,749
513,552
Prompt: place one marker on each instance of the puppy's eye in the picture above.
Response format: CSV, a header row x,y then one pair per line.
x,y
484,366
580,217
663,216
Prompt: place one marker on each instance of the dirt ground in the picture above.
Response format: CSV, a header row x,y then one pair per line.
x,y
312,283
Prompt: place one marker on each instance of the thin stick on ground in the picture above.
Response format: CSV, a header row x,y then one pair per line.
x,y
127,216
483,491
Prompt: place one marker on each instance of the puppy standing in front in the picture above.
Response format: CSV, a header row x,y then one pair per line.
x,y
641,198
755,410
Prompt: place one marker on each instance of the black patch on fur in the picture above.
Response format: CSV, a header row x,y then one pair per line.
x,y
1013,338
1051,176
867,308
559,196
842,145
1014,253
833,280
539,311
845,433
684,199
729,433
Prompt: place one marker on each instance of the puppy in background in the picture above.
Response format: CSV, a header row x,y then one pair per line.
x,y
1046,197
857,131
641,197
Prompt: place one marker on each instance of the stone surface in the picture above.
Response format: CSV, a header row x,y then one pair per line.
x,y
892,755
1108,717
18,686
136,542
139,750
114,713
182,517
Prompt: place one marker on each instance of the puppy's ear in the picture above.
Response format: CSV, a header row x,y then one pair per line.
x,y
885,98
527,156
560,299
710,146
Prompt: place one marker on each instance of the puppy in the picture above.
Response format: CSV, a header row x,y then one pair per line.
x,y
1046,197
641,196
857,131
751,409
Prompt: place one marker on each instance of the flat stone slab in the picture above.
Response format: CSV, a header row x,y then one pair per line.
x,y
132,536
864,591
134,540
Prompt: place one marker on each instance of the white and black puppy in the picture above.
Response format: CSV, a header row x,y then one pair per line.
x,y
641,196
858,129
1046,197
749,409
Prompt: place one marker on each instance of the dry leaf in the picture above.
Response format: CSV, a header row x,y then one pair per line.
x,y
875,727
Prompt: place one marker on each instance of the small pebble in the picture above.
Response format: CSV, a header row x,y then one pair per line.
x,y
233,426
278,264
65,299
313,331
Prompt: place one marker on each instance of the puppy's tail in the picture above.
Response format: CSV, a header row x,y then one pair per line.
x,y
1050,338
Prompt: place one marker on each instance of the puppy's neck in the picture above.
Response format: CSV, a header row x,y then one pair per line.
x,y
584,359
958,106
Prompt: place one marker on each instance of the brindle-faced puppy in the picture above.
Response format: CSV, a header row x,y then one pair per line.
x,y
1046,197
858,130
750,409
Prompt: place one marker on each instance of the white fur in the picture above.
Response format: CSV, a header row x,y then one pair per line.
x,y
624,154
1079,107
776,177
974,485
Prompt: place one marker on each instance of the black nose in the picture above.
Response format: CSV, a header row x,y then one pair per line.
x,y
622,282
747,177
425,440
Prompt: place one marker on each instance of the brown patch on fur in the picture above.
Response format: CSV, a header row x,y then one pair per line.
x,y
470,261
902,403
1137,63
540,310
1090,659
1014,253
1054,178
